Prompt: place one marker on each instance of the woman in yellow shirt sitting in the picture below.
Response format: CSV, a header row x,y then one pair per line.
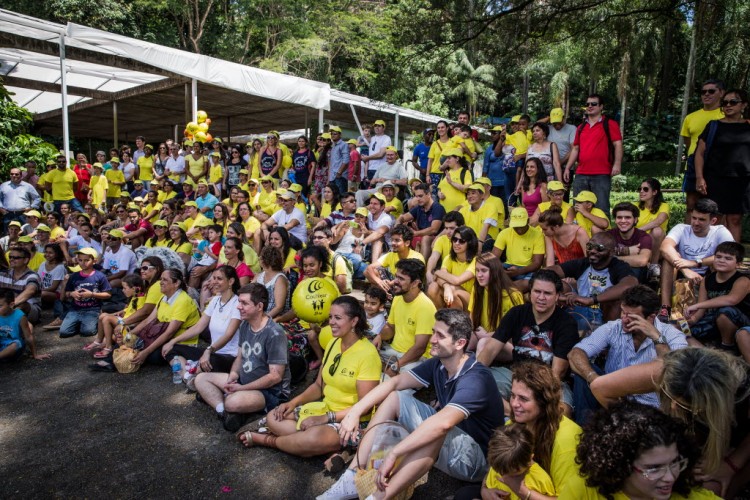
x,y
307,426
452,284
654,215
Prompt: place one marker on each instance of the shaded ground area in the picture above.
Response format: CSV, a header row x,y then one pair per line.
x,y
67,432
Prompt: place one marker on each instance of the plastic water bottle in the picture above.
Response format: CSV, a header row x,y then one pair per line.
x,y
176,375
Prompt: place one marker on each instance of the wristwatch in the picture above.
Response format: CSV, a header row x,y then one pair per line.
x,y
699,261
662,340
394,367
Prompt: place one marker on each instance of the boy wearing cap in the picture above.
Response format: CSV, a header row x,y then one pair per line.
x,y
115,181
588,216
85,290
379,226
14,232
145,164
480,216
98,187
523,246
378,144
556,193
23,281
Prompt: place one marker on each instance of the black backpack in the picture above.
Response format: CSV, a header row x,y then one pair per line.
x,y
605,125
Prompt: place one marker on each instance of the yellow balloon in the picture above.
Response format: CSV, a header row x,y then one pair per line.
x,y
192,127
312,299
202,115
200,136
286,161
203,127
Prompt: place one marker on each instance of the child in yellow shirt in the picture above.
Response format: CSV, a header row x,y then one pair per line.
x,y
98,187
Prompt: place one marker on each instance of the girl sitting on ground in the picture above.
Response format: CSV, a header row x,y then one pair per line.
x,y
133,288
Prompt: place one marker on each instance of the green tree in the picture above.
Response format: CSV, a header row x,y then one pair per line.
x,y
474,84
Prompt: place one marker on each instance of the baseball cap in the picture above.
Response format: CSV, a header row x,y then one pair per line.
x,y
26,239
190,204
586,196
484,180
287,195
98,165
114,159
497,128
124,194
477,187
379,196
244,171
253,181
203,222
379,122
43,227
116,233
556,115
325,135
202,182
352,141
33,213
362,211
392,148
180,225
267,178
334,128
515,119
215,153
454,152
161,223
15,223
88,251
189,182
148,146
555,186
519,217
138,181
295,188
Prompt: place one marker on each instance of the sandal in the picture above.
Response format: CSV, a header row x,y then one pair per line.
x,y
257,426
104,353
269,440
93,345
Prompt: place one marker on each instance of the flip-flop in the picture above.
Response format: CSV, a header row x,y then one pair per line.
x,y
93,345
104,353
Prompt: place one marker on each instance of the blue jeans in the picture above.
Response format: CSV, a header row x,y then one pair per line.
x,y
583,398
342,184
600,185
460,456
510,182
358,264
75,205
80,322
588,318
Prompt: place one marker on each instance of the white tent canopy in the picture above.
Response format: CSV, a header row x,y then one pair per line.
x,y
109,86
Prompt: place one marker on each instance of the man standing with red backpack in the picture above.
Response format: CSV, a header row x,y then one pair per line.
x,y
598,149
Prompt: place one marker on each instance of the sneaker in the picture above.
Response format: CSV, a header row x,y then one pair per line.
x,y
233,421
664,313
654,272
343,489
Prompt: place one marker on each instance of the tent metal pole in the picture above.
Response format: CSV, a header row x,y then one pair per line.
x,y
114,125
320,121
64,94
229,129
359,125
307,124
176,129
194,100
187,104
395,133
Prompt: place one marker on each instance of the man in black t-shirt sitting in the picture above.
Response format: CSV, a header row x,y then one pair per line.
x,y
632,245
538,330
601,279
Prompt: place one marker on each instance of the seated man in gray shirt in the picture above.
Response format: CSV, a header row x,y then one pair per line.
x,y
392,170
636,338
259,378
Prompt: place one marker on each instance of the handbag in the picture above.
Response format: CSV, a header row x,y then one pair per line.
x,y
152,331
122,358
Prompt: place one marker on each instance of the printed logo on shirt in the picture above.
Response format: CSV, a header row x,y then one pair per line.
x,y
536,344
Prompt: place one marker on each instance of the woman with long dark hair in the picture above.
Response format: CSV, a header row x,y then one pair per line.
x,y
303,162
533,188
563,241
654,215
452,284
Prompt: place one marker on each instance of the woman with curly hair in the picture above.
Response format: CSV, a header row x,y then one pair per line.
x,y
634,451
535,402
708,390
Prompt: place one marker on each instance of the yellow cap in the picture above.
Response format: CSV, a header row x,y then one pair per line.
x,y
515,119
556,115
88,251
497,128
114,159
190,204
379,122
476,187
585,196
180,225
484,180
362,211
98,165
161,223
325,135
352,141
379,196
519,217
295,188
33,213
203,222
116,233
555,186
334,128
43,227
25,239
244,171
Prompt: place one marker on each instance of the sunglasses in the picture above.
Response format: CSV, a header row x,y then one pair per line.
x,y
708,91
644,189
335,365
458,240
15,257
592,104
595,246
730,102
146,268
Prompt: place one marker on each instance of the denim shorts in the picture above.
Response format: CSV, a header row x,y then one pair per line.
x,y
273,398
706,329
460,456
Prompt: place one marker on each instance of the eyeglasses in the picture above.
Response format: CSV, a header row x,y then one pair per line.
x,y
730,102
644,189
270,137
663,388
595,246
121,211
708,91
235,152
146,268
15,257
556,193
656,473
319,237
335,365
456,239
591,104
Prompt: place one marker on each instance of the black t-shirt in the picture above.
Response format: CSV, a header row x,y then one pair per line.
x,y
553,338
729,155
715,289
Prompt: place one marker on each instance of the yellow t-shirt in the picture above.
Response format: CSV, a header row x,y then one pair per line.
x,y
436,152
62,184
195,167
515,298
325,209
146,168
457,140
586,223
148,208
183,309
520,248
442,246
113,175
565,208
290,261
56,233
411,319
35,262
457,268
520,141
162,196
98,185
476,219
251,225
499,209
267,202
215,173
563,457
340,266
390,259
159,243
255,166
536,479
361,361
190,222
398,208
454,197
186,248
131,308
646,217
695,123
153,295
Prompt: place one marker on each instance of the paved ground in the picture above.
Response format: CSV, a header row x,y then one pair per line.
x,y
66,432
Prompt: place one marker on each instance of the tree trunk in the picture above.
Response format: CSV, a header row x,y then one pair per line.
x,y
525,107
666,68
623,86
689,76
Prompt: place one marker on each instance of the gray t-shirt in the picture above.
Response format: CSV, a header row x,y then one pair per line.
x,y
563,138
260,349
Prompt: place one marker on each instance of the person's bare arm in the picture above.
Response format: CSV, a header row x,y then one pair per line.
x,y
560,367
617,164
549,252
27,293
416,351
491,349
638,257
636,379
580,364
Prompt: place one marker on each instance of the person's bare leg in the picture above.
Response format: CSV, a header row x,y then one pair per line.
x,y
312,442
425,247
734,224
743,343
435,293
9,351
727,330
657,236
244,401
414,465
312,340
377,250
211,387
388,410
667,282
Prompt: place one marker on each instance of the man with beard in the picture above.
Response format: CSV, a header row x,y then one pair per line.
x,y
410,321
601,280
632,245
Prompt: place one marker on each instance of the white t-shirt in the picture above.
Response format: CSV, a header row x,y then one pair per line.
x,y
384,220
378,142
346,244
176,166
48,276
128,170
124,259
300,230
376,323
78,242
692,247
220,318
